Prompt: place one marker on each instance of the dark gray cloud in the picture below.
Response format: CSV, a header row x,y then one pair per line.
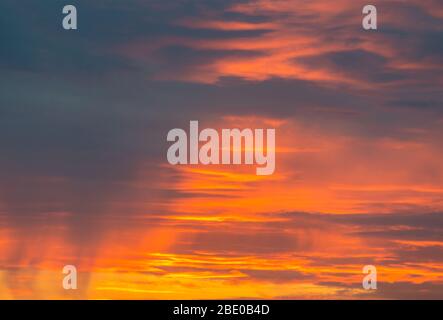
x,y
394,226
402,290
356,64
182,59
238,242
33,38
278,276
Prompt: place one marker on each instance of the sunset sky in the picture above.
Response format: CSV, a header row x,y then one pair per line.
x,y
84,178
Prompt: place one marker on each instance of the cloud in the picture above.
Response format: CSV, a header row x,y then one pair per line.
x,y
84,116
356,64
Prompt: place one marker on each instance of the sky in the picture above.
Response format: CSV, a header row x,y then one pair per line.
x,y
84,179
